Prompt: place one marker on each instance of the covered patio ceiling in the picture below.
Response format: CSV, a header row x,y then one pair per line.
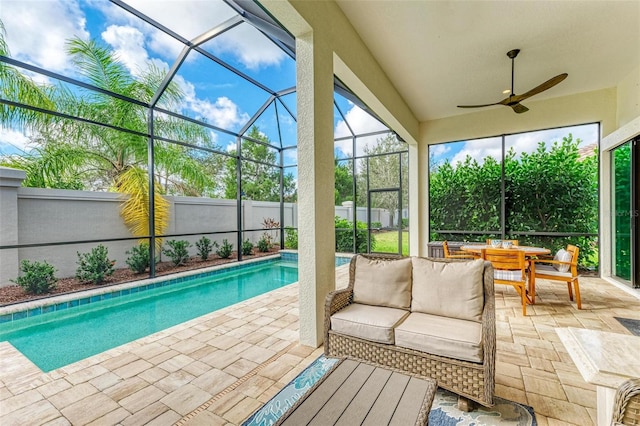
x,y
441,54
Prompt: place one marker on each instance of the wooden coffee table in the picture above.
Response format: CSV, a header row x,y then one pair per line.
x,y
358,393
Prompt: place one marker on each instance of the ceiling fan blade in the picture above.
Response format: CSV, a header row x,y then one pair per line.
x,y
479,106
541,88
519,108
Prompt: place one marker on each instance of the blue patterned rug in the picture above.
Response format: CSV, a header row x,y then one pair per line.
x,y
633,325
443,411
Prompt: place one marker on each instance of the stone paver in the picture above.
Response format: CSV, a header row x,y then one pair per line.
x,y
219,368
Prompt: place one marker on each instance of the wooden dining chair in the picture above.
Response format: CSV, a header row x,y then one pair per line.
x,y
509,267
563,267
455,255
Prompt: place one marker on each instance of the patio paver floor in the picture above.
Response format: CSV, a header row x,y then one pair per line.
x,y
219,368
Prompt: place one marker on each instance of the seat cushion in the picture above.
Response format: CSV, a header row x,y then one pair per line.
x,y
563,256
383,282
375,323
503,274
551,271
437,335
451,289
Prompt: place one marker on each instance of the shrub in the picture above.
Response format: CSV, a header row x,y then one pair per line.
x,y
291,238
247,248
205,246
225,249
36,278
178,251
139,258
271,233
376,225
405,223
263,244
95,266
344,236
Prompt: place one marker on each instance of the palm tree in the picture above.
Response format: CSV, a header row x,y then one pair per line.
x,y
15,86
103,157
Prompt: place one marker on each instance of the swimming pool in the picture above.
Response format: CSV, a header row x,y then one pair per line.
x,y
62,337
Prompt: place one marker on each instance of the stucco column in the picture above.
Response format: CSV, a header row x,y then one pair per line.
x,y
316,249
10,181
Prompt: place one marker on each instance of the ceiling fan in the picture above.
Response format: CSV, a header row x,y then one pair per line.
x,y
514,100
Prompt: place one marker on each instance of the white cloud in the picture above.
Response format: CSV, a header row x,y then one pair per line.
x,y
128,45
223,113
440,149
248,46
191,18
361,122
37,31
12,141
479,149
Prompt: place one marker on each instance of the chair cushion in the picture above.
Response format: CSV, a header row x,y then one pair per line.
x,y
563,256
375,323
551,271
449,337
503,274
451,289
383,282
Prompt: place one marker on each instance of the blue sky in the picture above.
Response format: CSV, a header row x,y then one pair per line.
x,y
479,149
36,31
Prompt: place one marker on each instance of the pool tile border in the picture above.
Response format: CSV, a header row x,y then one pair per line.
x,y
59,303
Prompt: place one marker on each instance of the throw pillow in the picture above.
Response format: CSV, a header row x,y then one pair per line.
x,y
383,282
450,289
563,256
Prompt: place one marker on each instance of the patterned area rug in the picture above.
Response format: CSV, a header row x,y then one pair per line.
x,y
443,410
633,325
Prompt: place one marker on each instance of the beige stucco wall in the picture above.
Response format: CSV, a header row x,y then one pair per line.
x,y
628,105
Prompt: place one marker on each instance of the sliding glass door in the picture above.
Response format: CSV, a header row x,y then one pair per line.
x,y
624,189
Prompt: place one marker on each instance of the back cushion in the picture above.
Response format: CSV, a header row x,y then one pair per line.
x,y
563,256
383,282
450,289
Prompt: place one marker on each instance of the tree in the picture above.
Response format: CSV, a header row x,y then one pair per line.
x,y
343,181
261,177
551,189
15,86
69,152
385,160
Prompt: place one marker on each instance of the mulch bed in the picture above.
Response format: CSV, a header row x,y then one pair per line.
x,y
15,294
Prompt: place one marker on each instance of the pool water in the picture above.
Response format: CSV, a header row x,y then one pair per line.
x,y
56,339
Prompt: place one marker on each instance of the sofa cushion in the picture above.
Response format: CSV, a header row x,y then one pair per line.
x,y
375,323
383,282
450,289
437,335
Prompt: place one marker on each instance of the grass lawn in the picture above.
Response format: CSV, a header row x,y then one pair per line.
x,y
387,242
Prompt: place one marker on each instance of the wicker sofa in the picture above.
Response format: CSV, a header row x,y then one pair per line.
x,y
432,318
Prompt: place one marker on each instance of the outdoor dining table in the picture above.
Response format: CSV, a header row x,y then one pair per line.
x,y
529,251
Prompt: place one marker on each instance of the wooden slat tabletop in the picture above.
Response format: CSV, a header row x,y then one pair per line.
x,y
356,393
